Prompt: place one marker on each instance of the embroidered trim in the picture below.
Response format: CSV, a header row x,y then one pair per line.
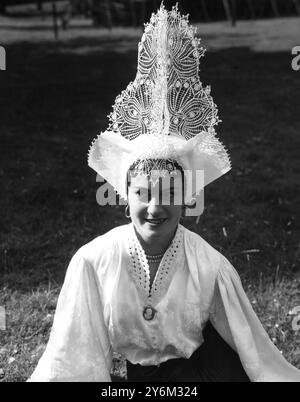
x,y
139,267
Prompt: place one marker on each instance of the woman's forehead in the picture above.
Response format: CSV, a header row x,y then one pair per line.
x,y
164,179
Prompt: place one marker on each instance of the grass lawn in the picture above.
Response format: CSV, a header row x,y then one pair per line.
x,y
54,99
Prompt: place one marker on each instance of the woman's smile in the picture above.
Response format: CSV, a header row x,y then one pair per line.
x,y
155,222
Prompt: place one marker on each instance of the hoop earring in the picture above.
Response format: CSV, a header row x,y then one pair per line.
x,y
127,212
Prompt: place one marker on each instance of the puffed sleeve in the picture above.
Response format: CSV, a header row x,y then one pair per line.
x,y
78,347
233,317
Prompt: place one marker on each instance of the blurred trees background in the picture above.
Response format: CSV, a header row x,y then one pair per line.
x,y
136,12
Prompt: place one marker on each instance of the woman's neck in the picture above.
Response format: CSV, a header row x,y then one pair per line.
x,y
154,247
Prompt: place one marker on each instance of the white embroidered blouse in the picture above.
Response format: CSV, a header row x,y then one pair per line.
x,y
107,287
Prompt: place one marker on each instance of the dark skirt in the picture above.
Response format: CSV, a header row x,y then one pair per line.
x,y
213,361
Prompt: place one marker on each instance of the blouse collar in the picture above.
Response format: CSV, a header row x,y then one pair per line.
x,y
139,268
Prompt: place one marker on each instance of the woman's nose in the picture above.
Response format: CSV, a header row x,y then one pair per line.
x,y
153,207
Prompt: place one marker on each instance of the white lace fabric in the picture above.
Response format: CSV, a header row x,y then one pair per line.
x,y
167,95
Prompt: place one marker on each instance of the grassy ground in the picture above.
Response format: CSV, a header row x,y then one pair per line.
x,y
54,99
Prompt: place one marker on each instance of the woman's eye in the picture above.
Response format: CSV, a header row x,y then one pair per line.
x,y
143,196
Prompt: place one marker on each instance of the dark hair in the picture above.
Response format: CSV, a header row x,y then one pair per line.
x,y
146,165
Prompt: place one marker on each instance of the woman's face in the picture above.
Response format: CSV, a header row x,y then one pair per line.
x,y
155,209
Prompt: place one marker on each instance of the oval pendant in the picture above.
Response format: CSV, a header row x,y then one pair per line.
x,y
149,313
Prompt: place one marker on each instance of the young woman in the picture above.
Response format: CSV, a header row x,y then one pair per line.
x,y
152,290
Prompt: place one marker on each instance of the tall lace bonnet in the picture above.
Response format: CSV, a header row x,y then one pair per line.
x,y
165,113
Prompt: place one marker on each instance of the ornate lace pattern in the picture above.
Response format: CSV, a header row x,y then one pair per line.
x,y
167,94
139,267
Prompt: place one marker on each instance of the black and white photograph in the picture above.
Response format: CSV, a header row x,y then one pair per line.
x,y
150,174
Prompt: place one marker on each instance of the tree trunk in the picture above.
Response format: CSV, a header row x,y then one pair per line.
x,y
39,5
229,14
233,12
275,8
108,14
227,9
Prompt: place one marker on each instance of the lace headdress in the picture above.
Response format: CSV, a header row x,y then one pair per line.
x,y
165,113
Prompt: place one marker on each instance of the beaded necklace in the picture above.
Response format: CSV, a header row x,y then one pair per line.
x,y
154,258
140,271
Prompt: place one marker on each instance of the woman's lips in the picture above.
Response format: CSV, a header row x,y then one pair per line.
x,y
156,221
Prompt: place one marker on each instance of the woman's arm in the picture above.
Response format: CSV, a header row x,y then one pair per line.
x,y
233,317
78,347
